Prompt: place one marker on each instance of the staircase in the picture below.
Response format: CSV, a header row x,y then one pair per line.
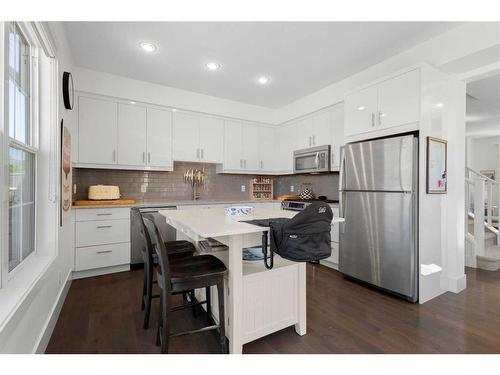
x,y
481,233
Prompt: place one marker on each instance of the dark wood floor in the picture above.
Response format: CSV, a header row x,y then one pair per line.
x,y
102,315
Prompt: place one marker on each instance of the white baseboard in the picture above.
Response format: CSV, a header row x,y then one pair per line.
x,y
329,264
100,271
44,338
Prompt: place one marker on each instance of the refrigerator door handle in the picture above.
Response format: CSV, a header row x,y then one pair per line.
x,y
341,188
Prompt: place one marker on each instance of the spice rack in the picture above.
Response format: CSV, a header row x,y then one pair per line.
x,y
261,188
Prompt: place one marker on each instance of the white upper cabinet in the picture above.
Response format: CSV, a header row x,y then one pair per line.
x,y
337,134
304,133
250,145
97,131
131,135
186,135
360,111
197,138
159,138
286,137
399,100
267,149
211,139
233,151
390,103
322,124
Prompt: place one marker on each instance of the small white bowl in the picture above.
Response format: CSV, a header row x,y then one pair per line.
x,y
239,210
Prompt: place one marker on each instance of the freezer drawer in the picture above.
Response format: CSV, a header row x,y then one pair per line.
x,y
383,165
378,240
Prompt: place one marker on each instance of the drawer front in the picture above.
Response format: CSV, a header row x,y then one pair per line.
x,y
102,256
89,214
102,232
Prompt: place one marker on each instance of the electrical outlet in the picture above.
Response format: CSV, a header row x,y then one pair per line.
x,y
144,187
243,188
292,188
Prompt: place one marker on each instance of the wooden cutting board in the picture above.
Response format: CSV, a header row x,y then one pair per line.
x,y
114,202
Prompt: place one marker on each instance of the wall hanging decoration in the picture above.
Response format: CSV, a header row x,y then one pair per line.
x,y
437,177
66,175
68,90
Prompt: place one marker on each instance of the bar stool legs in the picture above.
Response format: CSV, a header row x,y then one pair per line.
x,y
222,317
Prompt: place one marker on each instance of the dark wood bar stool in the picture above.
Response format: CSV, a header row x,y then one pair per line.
x,y
181,276
175,250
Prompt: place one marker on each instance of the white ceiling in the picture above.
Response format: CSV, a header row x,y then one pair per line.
x,y
483,112
300,57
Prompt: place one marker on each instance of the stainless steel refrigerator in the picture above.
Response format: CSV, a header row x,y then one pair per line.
x,y
379,201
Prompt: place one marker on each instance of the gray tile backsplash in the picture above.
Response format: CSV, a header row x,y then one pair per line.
x,y
171,186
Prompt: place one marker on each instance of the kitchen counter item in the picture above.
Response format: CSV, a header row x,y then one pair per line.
x,y
239,210
287,197
103,192
99,203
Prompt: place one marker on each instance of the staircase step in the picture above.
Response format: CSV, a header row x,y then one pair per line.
x,y
490,261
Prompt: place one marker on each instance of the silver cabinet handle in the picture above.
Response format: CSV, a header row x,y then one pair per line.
x,y
197,153
105,214
310,141
149,157
373,119
316,160
241,163
333,158
379,118
245,163
202,153
314,140
104,226
104,251
144,157
114,155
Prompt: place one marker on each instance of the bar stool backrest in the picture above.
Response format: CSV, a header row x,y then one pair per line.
x,y
154,237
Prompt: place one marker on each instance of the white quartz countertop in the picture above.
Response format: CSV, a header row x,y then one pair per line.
x,y
215,223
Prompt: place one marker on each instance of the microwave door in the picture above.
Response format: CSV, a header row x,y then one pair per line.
x,y
306,162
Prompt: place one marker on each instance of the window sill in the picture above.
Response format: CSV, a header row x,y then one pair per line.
x,y
15,290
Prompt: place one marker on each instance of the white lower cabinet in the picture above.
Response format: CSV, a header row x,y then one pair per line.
x,y
102,241
333,260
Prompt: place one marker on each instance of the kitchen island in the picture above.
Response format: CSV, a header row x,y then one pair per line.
x,y
259,301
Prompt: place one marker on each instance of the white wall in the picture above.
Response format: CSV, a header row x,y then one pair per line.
x,y
29,326
482,154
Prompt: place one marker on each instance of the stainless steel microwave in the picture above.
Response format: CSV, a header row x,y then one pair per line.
x,y
312,160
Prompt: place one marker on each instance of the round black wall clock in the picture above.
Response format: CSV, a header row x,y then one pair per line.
x,y
68,90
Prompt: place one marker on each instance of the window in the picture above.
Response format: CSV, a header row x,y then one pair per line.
x,y
22,154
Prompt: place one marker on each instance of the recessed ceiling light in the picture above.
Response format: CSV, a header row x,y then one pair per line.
x,y
132,102
212,65
439,105
148,47
361,108
263,80
174,110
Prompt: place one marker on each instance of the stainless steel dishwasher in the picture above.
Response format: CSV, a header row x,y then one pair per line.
x,y
137,242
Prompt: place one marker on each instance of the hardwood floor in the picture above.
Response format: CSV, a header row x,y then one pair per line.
x,y
103,315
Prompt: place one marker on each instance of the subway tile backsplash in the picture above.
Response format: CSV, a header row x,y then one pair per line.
x,y
153,185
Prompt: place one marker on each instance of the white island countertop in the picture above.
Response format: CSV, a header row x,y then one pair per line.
x,y
214,222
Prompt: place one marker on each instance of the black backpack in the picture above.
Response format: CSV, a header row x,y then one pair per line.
x,y
303,238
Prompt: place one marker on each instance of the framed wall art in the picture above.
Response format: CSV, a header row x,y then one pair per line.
x,y
437,174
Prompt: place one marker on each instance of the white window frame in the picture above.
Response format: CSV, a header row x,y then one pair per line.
x,y
30,38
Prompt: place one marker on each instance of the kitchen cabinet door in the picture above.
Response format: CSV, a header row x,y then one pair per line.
x,y
97,131
159,138
251,141
186,138
360,111
286,138
267,149
211,139
321,134
131,135
233,153
304,133
399,100
337,127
